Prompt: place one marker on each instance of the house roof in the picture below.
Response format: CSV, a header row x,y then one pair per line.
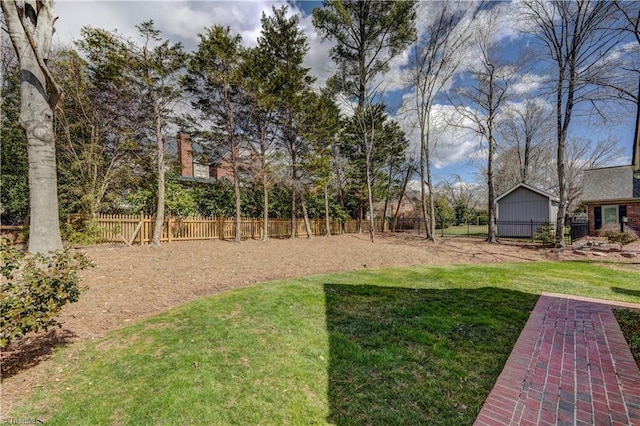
x,y
608,183
530,188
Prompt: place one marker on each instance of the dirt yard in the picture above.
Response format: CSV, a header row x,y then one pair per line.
x,y
131,283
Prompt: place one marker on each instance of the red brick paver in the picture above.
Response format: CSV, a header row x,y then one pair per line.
x,y
570,366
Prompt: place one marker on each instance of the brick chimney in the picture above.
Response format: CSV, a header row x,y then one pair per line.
x,y
185,155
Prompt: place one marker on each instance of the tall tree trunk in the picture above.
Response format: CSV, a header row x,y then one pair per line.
x,y
492,196
404,188
31,38
338,173
431,229
562,129
491,238
157,230
305,217
265,207
44,226
327,222
236,189
372,227
294,180
294,225
423,192
428,208
386,198
368,145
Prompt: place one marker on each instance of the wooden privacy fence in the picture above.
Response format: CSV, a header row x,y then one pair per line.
x,y
138,229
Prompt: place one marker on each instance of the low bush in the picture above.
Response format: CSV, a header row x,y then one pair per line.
x,y
35,288
617,237
546,234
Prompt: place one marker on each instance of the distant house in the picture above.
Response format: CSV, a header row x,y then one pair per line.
x,y
523,209
197,171
612,195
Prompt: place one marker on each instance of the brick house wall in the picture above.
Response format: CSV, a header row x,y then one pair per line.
x,y
633,214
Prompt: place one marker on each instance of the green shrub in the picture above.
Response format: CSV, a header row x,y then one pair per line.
x,y
35,288
482,219
546,234
81,232
617,237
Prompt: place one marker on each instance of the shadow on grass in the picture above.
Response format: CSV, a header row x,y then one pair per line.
x,y
627,291
32,350
407,356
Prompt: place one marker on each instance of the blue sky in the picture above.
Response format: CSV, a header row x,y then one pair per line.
x,y
183,20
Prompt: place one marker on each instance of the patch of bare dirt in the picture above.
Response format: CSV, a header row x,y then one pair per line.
x,y
131,283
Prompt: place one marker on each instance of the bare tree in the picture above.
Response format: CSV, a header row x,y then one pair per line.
x,y
481,101
525,129
578,37
436,58
461,195
30,27
631,23
408,174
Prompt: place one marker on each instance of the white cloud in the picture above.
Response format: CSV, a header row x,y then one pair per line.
x,y
182,21
452,138
528,83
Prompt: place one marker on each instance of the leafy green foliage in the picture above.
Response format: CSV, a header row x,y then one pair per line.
x,y
95,156
80,232
546,234
37,288
445,214
368,34
14,183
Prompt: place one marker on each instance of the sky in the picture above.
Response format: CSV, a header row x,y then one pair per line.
x,y
181,21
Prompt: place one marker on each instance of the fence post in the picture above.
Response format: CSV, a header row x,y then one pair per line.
x,y
531,230
142,230
169,229
221,227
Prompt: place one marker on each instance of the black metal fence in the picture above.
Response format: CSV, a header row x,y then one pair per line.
x,y
512,230
522,229
579,229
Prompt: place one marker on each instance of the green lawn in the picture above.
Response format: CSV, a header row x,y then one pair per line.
x,y
464,231
396,346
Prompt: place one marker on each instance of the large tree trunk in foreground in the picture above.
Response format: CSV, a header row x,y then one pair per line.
x,y
31,38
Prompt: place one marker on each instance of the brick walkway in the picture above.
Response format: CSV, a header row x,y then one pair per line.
x,y
570,366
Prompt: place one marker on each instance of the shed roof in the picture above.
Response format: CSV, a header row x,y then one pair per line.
x,y
608,183
530,188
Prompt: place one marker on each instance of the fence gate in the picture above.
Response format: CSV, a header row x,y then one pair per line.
x,y
579,229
